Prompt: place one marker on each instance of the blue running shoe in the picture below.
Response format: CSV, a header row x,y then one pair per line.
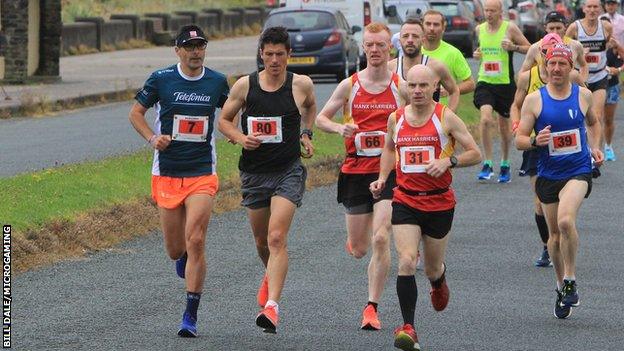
x,y
570,296
561,312
609,154
505,175
486,172
181,265
188,327
543,260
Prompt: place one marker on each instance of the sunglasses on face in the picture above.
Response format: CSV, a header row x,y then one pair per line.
x,y
192,47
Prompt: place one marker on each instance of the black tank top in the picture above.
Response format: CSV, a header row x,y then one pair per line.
x,y
272,157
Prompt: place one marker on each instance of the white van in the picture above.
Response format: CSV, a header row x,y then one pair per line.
x,y
358,13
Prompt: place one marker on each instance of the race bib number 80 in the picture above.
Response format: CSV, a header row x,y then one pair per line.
x,y
414,159
190,128
269,129
565,142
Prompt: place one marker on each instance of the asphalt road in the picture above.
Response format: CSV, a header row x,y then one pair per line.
x,y
130,298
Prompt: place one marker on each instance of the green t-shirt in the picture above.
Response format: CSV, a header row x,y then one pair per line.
x,y
454,61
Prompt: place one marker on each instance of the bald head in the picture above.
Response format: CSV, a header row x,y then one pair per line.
x,y
422,82
421,72
497,4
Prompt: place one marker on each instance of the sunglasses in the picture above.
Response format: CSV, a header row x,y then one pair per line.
x,y
193,47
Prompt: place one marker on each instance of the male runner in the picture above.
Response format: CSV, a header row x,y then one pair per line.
x,y
498,39
594,33
529,82
555,23
559,113
275,104
433,46
367,99
412,33
421,151
184,178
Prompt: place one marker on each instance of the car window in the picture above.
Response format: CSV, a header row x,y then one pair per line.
x,y
301,20
343,22
470,5
416,9
447,9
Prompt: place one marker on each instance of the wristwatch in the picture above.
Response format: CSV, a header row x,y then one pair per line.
x,y
453,160
307,132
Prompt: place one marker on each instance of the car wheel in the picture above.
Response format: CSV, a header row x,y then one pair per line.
x,y
344,72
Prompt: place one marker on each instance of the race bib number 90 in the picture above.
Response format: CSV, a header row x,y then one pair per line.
x,y
269,129
190,128
565,142
370,143
414,159
492,68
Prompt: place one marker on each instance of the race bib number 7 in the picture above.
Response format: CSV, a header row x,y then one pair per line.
x,y
565,142
190,128
269,129
414,159
370,143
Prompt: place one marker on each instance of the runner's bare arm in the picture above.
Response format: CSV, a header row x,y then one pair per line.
x,y
528,114
387,161
521,44
447,81
579,53
234,103
403,95
137,119
466,86
477,53
529,59
521,93
392,65
336,102
308,113
572,31
458,130
594,129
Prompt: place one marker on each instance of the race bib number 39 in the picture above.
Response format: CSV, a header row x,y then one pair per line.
x,y
414,159
190,128
492,68
269,129
565,142
370,143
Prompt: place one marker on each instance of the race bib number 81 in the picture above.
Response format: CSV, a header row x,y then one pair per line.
x,y
370,143
565,142
414,159
269,128
190,128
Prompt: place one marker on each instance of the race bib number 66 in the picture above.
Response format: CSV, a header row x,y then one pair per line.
x,y
370,143
190,128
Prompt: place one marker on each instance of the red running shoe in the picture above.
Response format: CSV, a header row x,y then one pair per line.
x,y
405,338
440,296
370,321
267,319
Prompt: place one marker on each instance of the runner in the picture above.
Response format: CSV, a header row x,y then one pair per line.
x,y
564,164
423,140
275,104
412,34
367,98
184,178
529,82
555,23
614,65
595,45
496,86
433,46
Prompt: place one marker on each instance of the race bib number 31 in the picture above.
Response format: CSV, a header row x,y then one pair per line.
x,y
565,142
190,128
414,159
269,129
370,143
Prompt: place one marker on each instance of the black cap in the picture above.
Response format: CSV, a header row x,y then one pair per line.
x,y
554,16
188,33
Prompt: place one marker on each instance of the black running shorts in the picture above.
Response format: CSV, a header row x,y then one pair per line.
x,y
354,191
435,224
548,190
499,96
